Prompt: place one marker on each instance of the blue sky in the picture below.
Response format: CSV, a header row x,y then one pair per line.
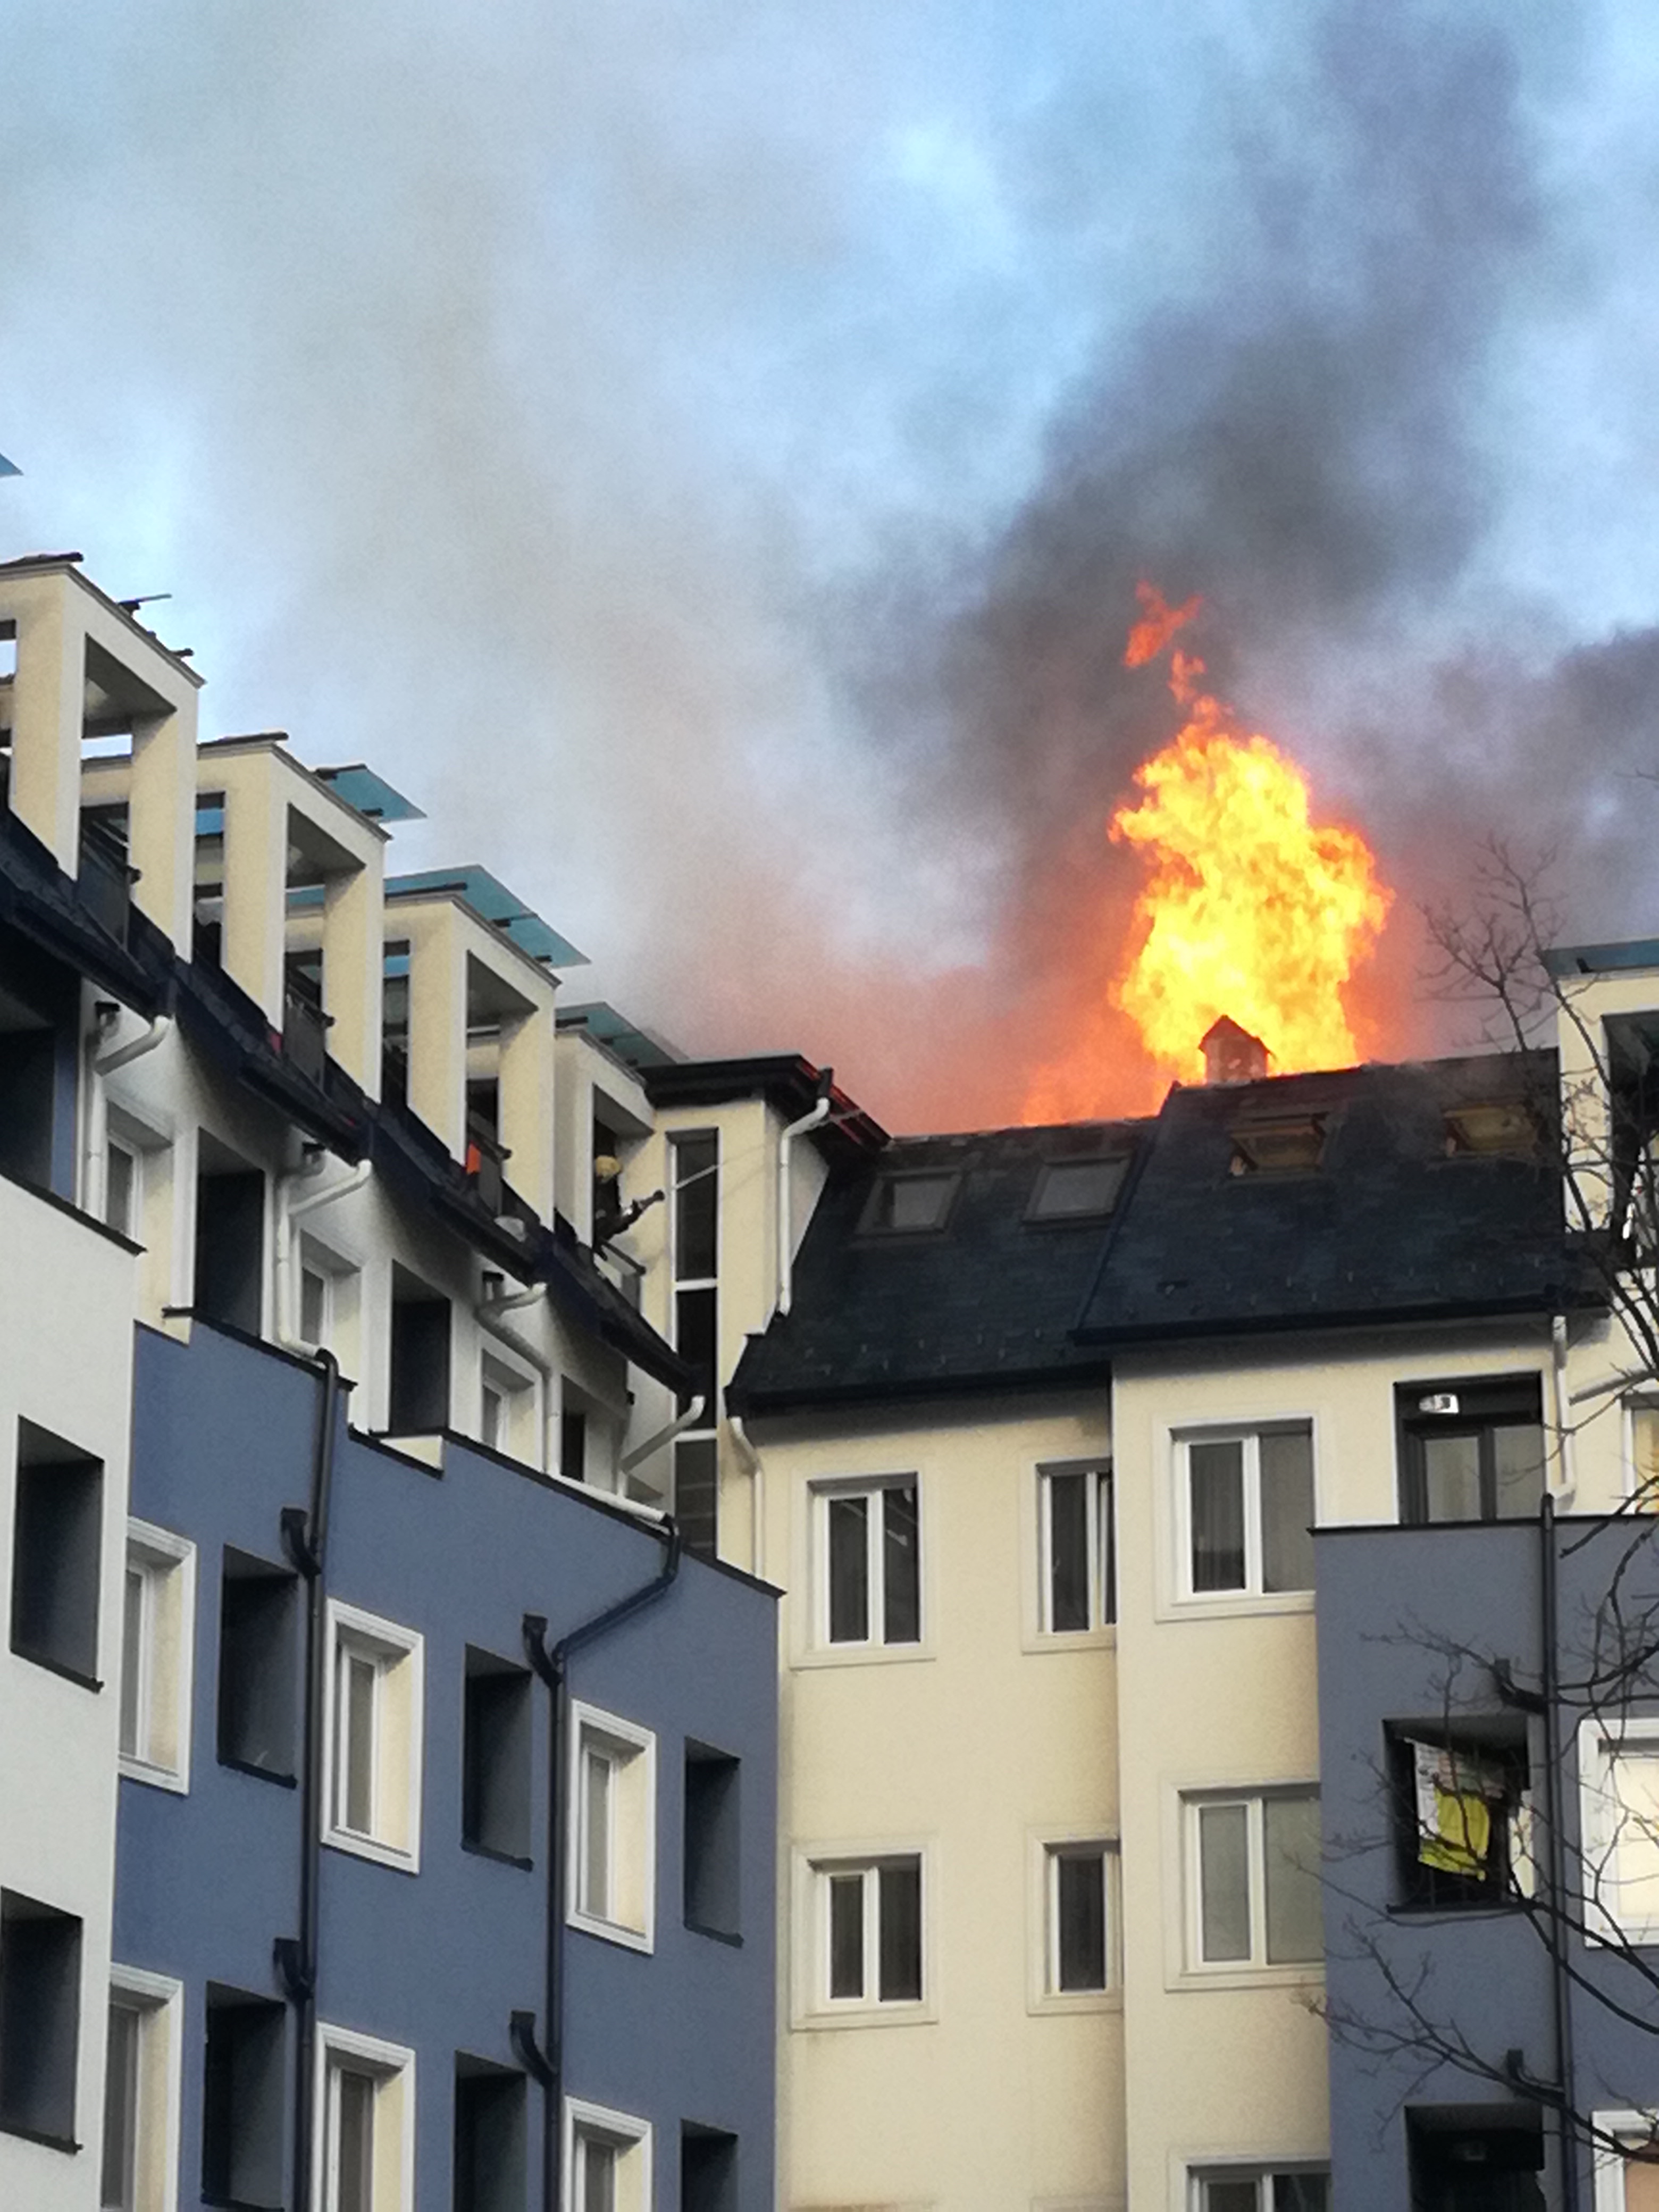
x,y
702,453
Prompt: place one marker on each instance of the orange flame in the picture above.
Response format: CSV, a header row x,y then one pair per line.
x,y
1250,909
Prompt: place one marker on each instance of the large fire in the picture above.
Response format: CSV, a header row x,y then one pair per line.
x,y
1249,909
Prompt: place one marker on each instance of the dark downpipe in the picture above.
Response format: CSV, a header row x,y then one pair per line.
x,y
547,2063
1561,1987
305,1539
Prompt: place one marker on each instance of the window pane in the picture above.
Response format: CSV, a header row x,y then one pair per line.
x,y
1231,2196
121,1182
489,1420
1080,1907
1107,1550
313,1304
354,2110
1068,1551
121,2110
1217,1500
1287,1509
1518,1463
598,2176
849,1570
696,1203
1451,1478
695,1333
1224,1881
899,1886
1628,1883
911,1201
596,1834
358,1770
1641,2179
132,1664
1077,1187
1294,1931
846,1934
1302,2192
901,1566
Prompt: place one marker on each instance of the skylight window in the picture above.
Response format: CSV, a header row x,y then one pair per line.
x,y
1289,1144
907,1204
1491,1128
1077,1190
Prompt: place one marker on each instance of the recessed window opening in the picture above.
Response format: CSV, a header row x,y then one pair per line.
x,y
1076,1907
1247,1499
1079,1581
1463,1813
489,2136
871,1541
419,1399
141,2092
1077,1190
496,1752
708,2169
1495,1129
57,1554
158,1629
243,2102
123,1188
613,1816
259,1666
572,1444
1472,1449
367,2122
230,1217
40,2020
695,1179
713,1840
870,1930
375,1685
909,1202
1289,1144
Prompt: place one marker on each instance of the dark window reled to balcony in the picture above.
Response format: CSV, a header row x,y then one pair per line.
x,y
1471,1449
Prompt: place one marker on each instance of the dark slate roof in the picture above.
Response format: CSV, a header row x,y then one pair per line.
x,y
1386,1227
790,1085
987,1302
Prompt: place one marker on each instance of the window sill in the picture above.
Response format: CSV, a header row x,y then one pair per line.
x,y
501,1858
283,1781
1199,1978
66,1674
366,1847
714,1934
863,1655
155,1778
1237,1604
612,1931
1476,1908
1062,2004
1049,1642
66,2144
924,2014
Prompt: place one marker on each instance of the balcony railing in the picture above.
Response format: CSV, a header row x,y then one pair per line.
x,y
104,879
305,1034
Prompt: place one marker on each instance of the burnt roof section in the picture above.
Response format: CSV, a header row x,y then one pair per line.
x,y
787,1081
986,1302
1388,1226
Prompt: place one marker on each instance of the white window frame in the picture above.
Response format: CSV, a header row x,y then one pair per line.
x,y
1635,1405
1259,2170
622,2132
631,1751
1257,1967
1599,1743
309,1261
167,1563
1102,1539
1049,1846
117,1140
398,1654
517,1389
1251,1596
814,1865
158,2000
873,1644
391,2067
1636,2128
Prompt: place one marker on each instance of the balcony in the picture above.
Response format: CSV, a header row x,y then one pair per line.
x,y
305,1031
104,879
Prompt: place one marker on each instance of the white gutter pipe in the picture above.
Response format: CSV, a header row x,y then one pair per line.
x,y
1566,1467
745,1444
692,1414
290,1209
816,1118
487,1311
100,1065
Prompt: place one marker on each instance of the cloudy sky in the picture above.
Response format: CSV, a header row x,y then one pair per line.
x,y
704,452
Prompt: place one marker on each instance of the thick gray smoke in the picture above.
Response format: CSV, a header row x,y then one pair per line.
x,y
707,458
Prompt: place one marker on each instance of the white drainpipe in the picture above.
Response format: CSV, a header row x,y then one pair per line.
x,y
289,1210
692,1414
816,1118
100,1065
745,1444
1566,1467
487,1311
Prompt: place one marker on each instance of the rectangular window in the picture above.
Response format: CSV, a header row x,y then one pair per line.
x,y
140,2152
496,1758
509,1419
367,2119
1261,2188
1462,1814
573,1444
870,1544
57,1532
374,1726
316,1300
40,2020
708,2169
1077,1909
1247,1498
489,2136
1252,1875
695,1171
1619,1789
870,1930
419,1399
1472,1450
909,1203
123,1188
230,1221
1079,1568
259,1666
612,1858
158,1632
713,1840
607,2160
244,2101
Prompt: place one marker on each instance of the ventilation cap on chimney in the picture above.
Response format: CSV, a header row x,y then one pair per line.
x,y
1232,1054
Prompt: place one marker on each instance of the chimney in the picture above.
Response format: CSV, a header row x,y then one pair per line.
x,y
1232,1054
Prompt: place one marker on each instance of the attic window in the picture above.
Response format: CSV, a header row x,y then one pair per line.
x,y
1074,1190
1503,1129
1289,1144
903,1205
